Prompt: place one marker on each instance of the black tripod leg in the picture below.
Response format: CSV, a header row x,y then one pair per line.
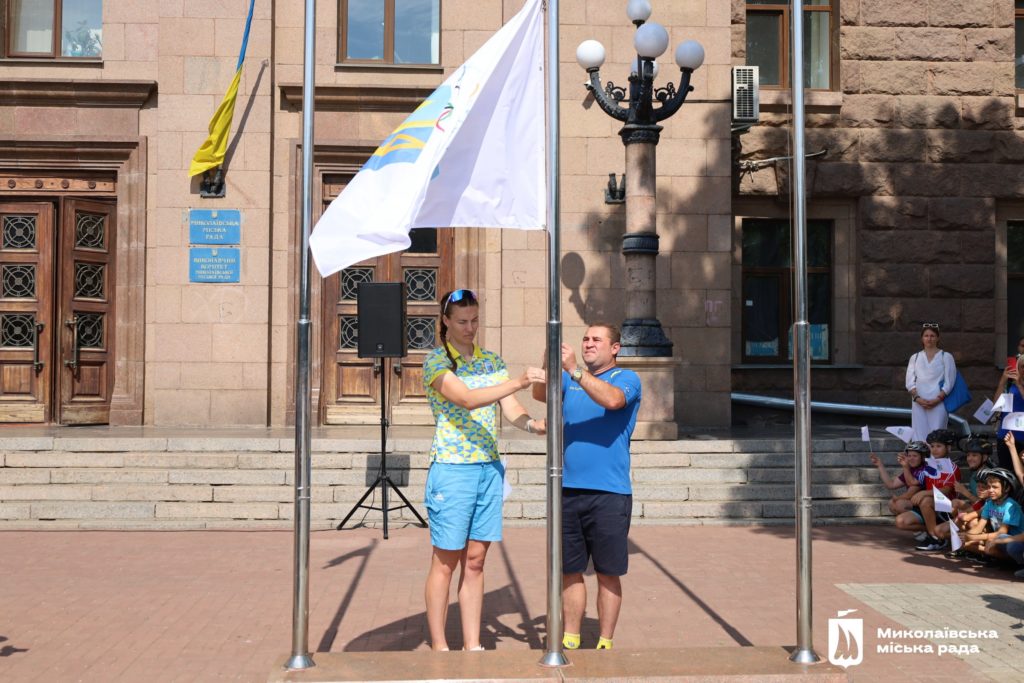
x,y
384,481
406,501
359,504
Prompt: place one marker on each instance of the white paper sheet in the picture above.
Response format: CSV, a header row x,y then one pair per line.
x,y
954,537
1014,422
864,435
942,504
984,412
1003,404
904,434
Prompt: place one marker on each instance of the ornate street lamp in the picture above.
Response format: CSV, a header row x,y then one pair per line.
x,y
642,334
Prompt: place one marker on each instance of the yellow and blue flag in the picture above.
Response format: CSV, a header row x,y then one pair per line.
x,y
211,152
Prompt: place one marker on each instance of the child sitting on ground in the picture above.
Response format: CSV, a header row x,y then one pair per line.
x,y
939,479
1001,512
899,503
977,453
911,461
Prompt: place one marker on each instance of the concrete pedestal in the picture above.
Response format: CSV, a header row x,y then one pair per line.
x,y
656,421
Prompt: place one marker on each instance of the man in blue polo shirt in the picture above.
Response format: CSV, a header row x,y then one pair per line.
x,y
599,407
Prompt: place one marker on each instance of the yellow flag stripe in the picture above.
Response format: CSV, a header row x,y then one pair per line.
x,y
211,152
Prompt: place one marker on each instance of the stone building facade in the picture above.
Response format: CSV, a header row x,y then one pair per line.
x,y
914,194
920,182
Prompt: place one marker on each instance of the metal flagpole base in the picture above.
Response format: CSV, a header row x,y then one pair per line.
x,y
299,662
554,659
804,656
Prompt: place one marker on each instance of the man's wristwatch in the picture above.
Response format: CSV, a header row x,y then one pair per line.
x,y
577,374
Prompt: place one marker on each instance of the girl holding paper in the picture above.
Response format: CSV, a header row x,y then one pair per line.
x,y
1009,382
929,371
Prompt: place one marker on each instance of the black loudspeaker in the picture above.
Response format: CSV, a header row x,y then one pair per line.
x,y
381,311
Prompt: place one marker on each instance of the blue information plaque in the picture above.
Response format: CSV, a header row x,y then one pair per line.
x,y
215,226
223,264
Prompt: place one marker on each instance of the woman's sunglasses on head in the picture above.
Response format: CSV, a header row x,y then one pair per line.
x,y
457,296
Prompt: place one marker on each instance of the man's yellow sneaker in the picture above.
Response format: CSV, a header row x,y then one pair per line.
x,y
571,641
604,643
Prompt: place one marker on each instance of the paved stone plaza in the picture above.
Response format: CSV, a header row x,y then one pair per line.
x,y
216,605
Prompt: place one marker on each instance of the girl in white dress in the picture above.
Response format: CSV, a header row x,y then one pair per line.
x,y
931,373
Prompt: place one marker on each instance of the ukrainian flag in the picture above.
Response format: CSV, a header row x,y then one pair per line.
x,y
211,152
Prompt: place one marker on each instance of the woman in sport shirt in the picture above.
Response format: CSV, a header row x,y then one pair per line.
x,y
465,385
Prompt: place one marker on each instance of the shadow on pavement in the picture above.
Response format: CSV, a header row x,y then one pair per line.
x,y
726,626
410,632
1008,605
332,631
8,650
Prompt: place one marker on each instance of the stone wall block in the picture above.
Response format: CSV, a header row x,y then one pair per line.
x,y
960,146
962,13
932,180
1008,147
897,246
1002,14
888,213
761,142
989,113
893,145
850,78
891,348
978,315
849,12
928,44
842,144
970,78
971,348
968,281
891,281
849,179
906,315
868,111
976,247
989,44
864,42
896,78
961,213
994,180
888,13
928,112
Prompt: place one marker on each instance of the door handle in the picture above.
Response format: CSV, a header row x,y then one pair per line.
x,y
397,367
36,363
378,366
73,324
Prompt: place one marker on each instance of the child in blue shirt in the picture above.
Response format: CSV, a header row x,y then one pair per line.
x,y
1003,514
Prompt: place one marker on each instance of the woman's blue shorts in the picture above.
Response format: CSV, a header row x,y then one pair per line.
x,y
464,503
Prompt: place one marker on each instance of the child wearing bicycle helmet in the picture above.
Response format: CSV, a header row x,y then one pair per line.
x,y
1003,514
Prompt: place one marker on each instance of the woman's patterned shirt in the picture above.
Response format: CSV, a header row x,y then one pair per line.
x,y
464,436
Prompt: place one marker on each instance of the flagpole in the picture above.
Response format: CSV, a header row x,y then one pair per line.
x,y
553,655
804,652
301,657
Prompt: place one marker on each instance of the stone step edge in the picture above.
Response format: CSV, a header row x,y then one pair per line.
x,y
288,525
116,444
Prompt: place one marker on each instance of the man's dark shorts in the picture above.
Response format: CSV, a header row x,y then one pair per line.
x,y
595,524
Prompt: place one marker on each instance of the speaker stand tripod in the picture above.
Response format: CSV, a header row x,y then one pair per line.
x,y
383,480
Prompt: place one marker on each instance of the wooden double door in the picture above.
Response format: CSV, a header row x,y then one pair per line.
x,y
56,310
351,385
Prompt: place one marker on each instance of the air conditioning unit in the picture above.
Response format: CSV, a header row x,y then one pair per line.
x,y
745,94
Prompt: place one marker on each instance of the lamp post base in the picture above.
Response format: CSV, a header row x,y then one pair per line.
x,y
645,338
